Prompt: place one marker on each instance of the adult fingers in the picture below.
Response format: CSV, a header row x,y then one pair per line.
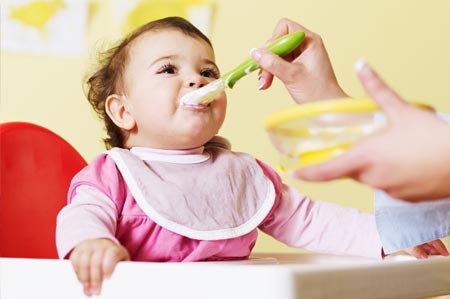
x,y
286,26
265,79
418,252
438,246
283,27
272,63
388,100
345,165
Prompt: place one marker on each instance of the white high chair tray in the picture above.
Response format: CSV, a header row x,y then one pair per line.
x,y
280,276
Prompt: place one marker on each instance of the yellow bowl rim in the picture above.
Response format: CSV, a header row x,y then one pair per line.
x,y
341,105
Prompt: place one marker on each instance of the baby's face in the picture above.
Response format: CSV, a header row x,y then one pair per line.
x,y
162,67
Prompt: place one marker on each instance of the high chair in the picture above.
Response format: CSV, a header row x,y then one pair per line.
x,y
36,167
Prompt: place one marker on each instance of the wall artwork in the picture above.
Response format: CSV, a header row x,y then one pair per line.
x,y
52,27
134,13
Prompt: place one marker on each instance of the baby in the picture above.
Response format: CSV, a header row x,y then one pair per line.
x,y
170,190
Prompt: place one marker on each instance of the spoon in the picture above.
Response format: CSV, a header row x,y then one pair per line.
x,y
205,95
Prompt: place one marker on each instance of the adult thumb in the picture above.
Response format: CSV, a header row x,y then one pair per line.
x,y
271,63
386,98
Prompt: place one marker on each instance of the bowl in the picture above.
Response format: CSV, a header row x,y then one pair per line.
x,y
317,131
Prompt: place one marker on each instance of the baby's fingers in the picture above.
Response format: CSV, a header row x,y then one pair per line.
x,y
96,273
112,256
81,260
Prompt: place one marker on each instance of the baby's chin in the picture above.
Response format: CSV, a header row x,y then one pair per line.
x,y
195,141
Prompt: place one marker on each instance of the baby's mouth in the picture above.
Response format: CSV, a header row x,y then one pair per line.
x,y
196,106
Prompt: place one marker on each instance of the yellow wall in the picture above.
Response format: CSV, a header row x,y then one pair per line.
x,y
406,41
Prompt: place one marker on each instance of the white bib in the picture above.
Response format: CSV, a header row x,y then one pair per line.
x,y
222,196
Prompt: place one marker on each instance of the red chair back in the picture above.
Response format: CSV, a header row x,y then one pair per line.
x,y
36,167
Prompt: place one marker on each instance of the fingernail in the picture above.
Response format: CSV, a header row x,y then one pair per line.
x,y
360,65
261,83
95,290
87,291
255,53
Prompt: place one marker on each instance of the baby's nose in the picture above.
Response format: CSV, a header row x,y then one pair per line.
x,y
197,81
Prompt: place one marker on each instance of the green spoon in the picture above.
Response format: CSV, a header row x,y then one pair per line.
x,y
282,46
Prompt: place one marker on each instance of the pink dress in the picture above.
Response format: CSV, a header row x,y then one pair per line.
x,y
201,204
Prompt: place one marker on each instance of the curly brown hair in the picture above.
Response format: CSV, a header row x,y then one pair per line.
x,y
108,78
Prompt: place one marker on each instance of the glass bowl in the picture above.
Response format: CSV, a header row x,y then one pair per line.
x,y
317,131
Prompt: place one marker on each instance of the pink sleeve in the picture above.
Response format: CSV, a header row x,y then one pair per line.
x,y
93,206
90,215
318,226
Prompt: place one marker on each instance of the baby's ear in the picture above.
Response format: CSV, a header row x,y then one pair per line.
x,y
117,109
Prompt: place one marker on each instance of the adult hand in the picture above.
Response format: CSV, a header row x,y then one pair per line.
x,y
94,260
306,72
409,160
435,247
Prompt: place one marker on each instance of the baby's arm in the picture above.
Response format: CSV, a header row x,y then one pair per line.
x,y
323,227
85,234
319,226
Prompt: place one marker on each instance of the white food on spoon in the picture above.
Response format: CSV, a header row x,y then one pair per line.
x,y
204,95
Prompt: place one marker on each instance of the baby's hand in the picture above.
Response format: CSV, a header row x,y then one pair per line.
x,y
435,247
94,260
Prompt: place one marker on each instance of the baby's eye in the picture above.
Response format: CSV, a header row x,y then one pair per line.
x,y
167,69
210,73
